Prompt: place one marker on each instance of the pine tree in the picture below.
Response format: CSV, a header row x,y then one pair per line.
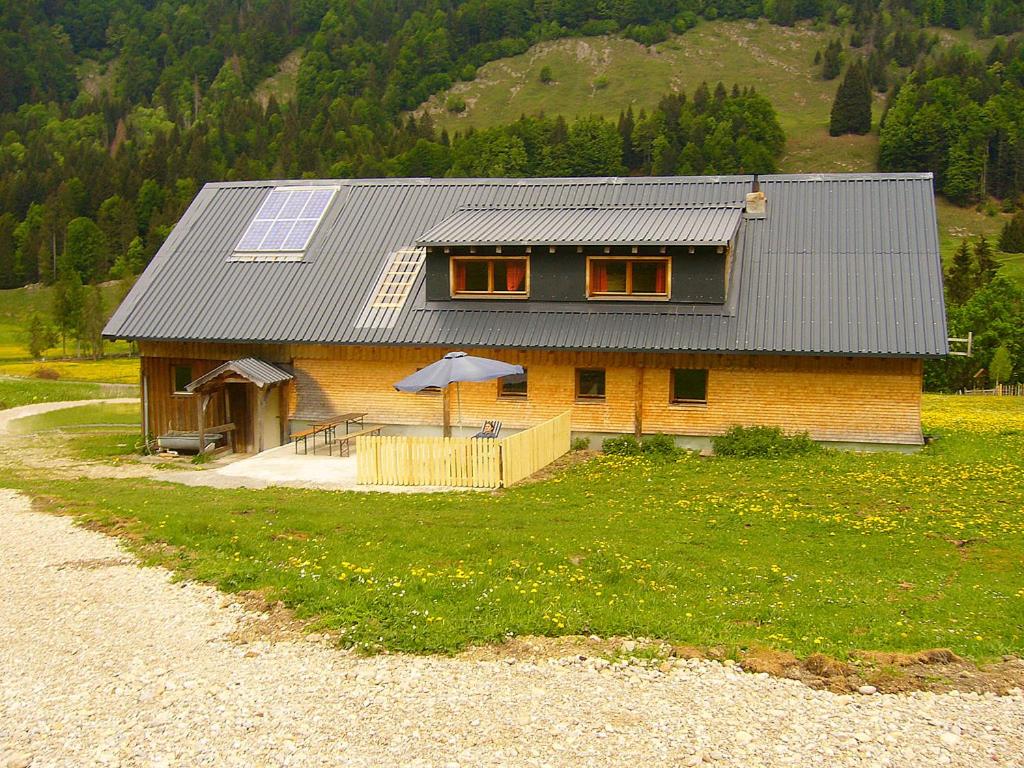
x,y
1011,239
987,265
851,111
91,329
960,277
39,337
832,64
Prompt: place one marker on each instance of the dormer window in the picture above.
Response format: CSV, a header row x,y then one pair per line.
x,y
641,278
494,277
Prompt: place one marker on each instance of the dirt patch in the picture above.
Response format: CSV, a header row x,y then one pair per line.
x,y
559,465
94,564
266,620
937,670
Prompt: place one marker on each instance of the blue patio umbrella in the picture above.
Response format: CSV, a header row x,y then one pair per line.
x,y
456,367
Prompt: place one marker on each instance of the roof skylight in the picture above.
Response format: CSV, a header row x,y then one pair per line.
x,y
286,221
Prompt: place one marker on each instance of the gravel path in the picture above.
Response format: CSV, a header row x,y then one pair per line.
x,y
106,663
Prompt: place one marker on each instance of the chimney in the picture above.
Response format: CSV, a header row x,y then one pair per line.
x,y
757,204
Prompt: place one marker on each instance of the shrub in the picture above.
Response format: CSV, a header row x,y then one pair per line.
x,y
579,444
762,442
660,446
596,27
601,83
43,372
456,104
468,73
545,75
623,445
684,21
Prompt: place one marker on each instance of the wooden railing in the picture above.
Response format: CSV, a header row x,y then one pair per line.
x,y
461,462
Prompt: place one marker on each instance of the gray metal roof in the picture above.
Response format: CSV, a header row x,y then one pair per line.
x,y
842,264
592,225
259,372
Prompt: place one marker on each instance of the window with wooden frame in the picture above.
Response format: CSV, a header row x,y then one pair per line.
x,y
495,277
182,378
689,386
641,278
590,385
513,387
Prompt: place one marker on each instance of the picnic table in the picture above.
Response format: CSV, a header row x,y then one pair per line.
x,y
328,428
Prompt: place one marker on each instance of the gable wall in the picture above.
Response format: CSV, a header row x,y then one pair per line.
x,y
833,398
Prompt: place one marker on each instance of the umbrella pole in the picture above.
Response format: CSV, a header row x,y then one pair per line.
x,y
446,412
458,398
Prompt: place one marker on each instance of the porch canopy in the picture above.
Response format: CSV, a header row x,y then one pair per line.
x,y
247,370
260,374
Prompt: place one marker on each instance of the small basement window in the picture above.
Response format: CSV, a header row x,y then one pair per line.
x,y
182,378
640,278
689,385
513,387
497,277
590,384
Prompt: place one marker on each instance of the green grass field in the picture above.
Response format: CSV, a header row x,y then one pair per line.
x,y
831,552
16,391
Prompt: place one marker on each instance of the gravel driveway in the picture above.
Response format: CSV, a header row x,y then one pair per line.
x,y
106,663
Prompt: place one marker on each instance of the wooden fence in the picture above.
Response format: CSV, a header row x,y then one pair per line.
x,y
461,462
525,452
1013,390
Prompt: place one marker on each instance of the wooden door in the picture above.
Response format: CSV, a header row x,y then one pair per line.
x,y
240,410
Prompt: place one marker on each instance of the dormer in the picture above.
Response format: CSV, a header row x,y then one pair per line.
x,y
641,253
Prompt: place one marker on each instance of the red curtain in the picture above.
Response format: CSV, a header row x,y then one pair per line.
x,y
659,279
598,277
460,276
515,276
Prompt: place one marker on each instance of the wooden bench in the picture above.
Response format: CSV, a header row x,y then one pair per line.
x,y
304,435
344,442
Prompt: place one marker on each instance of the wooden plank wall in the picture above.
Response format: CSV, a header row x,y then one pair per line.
x,y
833,398
168,410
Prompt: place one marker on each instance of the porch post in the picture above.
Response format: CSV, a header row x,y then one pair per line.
x,y
638,402
201,420
261,399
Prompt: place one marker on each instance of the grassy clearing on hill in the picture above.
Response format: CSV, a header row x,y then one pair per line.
x,y
778,61
831,552
17,305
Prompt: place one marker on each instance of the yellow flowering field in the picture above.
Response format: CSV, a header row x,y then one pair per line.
x,y
115,370
830,552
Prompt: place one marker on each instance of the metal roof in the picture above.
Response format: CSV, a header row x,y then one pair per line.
x,y
841,264
259,372
592,225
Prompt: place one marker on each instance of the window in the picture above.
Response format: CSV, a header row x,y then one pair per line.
x,y
286,221
590,384
642,278
513,387
493,277
396,282
182,378
689,386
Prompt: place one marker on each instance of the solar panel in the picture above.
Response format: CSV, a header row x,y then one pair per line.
x,y
286,220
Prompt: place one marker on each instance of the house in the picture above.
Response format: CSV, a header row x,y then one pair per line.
x,y
678,305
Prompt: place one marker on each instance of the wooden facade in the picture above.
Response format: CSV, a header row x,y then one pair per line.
x,y
850,399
